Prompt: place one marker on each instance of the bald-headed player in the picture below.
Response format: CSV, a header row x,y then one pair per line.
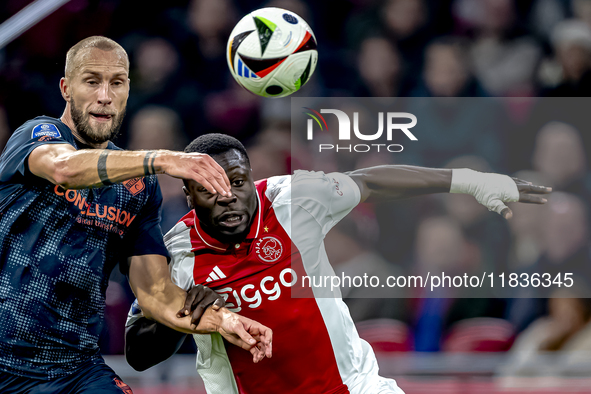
x,y
73,206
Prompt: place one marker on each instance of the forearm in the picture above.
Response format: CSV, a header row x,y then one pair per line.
x,y
101,167
390,182
160,299
63,165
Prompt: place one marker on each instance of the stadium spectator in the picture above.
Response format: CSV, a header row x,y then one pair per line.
x,y
505,58
451,127
405,23
565,233
380,69
556,344
207,26
158,79
447,71
559,155
571,72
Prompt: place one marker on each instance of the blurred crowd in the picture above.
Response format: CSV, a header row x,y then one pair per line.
x,y
520,50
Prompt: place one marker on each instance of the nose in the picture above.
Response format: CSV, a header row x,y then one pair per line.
x,y
224,201
104,94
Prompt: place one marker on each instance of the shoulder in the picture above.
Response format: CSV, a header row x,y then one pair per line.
x,y
180,247
178,238
277,184
40,130
316,184
44,127
275,188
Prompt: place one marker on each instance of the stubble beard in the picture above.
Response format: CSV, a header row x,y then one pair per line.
x,y
102,133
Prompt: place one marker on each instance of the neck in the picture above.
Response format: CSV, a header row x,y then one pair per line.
x,y
66,118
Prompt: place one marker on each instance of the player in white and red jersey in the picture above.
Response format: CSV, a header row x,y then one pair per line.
x,y
255,247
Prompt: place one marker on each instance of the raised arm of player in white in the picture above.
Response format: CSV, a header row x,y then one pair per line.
x,y
390,182
160,300
63,165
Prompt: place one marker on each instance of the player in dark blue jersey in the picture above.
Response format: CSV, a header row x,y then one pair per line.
x,y
73,206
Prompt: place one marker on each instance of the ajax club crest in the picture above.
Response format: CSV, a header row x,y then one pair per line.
x,y
268,249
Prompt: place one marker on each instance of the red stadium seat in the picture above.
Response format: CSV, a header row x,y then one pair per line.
x,y
386,335
481,334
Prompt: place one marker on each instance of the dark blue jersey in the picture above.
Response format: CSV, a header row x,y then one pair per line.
x,y
57,250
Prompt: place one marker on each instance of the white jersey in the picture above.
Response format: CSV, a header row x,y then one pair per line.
x,y
316,348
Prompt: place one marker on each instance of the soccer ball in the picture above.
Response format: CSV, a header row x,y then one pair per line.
x,y
272,52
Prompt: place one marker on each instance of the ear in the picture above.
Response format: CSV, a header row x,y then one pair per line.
x,y
188,196
65,89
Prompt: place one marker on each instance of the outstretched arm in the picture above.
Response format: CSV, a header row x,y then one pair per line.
x,y
388,182
63,165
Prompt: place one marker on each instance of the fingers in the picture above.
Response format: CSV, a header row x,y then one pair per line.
x,y
531,188
520,181
197,313
246,338
507,213
525,187
222,173
532,199
219,303
257,354
213,177
197,301
212,184
193,296
266,339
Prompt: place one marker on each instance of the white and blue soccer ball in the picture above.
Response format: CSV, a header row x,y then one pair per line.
x,y
272,52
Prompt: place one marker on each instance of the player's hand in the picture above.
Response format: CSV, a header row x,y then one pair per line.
x,y
198,167
248,334
199,298
528,193
494,190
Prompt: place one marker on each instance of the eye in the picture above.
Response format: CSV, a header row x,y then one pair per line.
x,y
238,182
91,82
117,83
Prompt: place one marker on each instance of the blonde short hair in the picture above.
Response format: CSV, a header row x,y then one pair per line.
x,y
99,42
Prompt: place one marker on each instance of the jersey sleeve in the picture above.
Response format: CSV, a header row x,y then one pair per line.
x,y
182,259
31,135
146,236
328,198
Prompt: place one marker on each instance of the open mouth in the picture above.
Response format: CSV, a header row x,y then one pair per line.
x,y
101,117
231,220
